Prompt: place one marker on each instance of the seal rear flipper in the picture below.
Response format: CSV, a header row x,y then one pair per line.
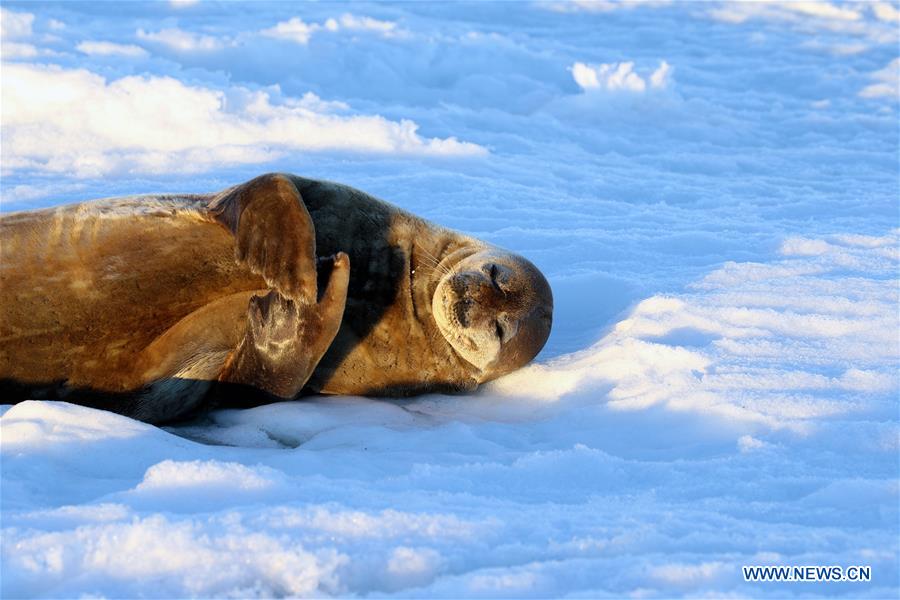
x,y
254,347
274,234
175,374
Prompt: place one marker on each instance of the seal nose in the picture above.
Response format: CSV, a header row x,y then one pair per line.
x,y
471,285
472,289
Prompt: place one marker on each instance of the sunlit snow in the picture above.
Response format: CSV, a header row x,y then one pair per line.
x,y
712,190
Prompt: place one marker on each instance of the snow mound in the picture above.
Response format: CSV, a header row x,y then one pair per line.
x,y
781,344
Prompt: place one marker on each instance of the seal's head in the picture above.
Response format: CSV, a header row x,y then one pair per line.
x,y
495,308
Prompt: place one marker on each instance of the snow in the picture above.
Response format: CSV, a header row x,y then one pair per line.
x,y
712,190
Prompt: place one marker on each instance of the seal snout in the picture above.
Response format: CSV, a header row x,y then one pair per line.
x,y
494,309
476,296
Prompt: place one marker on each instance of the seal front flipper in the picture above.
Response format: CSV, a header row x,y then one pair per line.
x,y
274,234
285,339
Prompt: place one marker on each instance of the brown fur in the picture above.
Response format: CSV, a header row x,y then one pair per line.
x,y
155,302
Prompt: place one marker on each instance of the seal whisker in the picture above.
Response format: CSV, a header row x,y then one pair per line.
x,y
435,263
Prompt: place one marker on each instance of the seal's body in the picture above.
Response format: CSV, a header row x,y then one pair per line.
x,y
155,306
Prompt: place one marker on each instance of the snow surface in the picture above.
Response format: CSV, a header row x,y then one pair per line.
x,y
712,190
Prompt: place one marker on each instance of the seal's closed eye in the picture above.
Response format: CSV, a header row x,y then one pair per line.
x,y
494,272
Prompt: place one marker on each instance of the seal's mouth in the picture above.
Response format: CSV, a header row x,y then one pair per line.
x,y
456,305
451,313
460,310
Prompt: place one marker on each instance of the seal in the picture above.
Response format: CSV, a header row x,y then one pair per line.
x,y
156,307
